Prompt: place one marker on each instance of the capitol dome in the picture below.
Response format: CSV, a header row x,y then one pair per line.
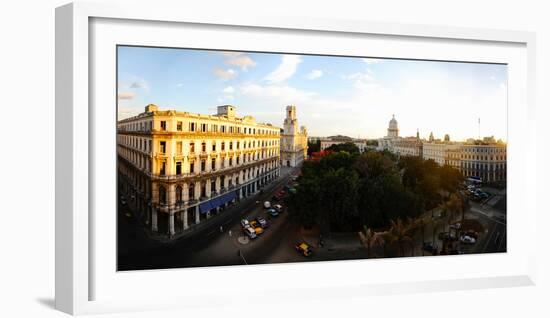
x,y
393,129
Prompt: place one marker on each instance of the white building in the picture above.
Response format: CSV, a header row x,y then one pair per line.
x,y
336,140
293,140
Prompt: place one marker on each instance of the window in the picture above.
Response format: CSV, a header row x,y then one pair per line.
x,y
238,144
204,128
223,146
213,164
192,147
230,161
203,147
213,185
179,126
179,147
162,147
192,127
162,195
203,165
163,168
238,160
214,147
191,191
230,145
192,167
178,168
179,194
163,125
223,128
214,128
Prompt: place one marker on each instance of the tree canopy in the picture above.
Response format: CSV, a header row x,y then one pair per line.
x,y
346,190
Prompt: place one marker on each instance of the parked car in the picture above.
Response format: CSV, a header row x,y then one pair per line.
x,y
250,232
455,226
304,249
272,212
467,239
429,247
257,227
267,204
245,223
278,207
263,222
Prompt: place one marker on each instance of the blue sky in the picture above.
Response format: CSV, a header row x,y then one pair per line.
x,y
334,95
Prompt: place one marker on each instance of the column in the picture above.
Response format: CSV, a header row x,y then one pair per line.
x,y
154,220
171,220
184,219
197,215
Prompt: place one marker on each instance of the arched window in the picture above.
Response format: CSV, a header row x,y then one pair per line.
x,y
192,191
179,194
162,195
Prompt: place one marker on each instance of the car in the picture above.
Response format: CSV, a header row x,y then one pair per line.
x,y
245,223
250,232
267,204
278,207
455,226
429,247
263,222
483,195
304,249
257,227
465,239
456,252
272,212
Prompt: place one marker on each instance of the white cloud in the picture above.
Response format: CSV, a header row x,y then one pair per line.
x,y
315,74
361,80
239,59
280,94
370,61
228,90
126,95
140,83
285,70
225,74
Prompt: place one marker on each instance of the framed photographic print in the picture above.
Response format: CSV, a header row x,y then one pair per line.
x,y
194,151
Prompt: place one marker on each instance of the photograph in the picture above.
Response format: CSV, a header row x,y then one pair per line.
x,y
231,157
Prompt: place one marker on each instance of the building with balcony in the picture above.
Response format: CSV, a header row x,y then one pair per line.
x,y
293,140
178,169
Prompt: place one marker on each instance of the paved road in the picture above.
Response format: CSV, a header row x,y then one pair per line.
x,y
210,247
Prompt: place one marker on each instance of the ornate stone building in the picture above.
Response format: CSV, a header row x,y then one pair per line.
x,y
293,140
177,169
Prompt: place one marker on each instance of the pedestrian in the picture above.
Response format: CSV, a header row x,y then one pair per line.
x,y
221,228
229,233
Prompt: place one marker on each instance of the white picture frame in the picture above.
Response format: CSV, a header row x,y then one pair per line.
x,y
76,252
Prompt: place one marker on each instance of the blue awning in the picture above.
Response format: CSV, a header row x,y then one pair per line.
x,y
216,202
205,207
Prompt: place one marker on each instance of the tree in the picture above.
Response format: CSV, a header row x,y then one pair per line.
x,y
400,233
348,147
369,239
313,146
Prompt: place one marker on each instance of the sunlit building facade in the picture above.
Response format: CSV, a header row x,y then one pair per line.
x,y
178,169
293,140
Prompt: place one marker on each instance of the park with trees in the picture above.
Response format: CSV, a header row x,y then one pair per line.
x,y
375,192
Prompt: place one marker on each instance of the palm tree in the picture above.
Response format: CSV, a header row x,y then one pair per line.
x,y
366,236
369,238
400,233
